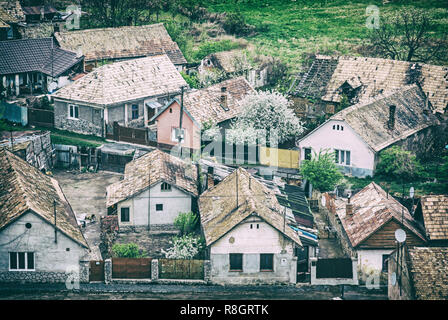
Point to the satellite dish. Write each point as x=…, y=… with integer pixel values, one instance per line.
x=400, y=235
x=323, y=201
x=52, y=86
x=411, y=192
x=393, y=278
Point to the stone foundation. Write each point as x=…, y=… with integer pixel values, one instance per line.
x=78, y=126
x=33, y=276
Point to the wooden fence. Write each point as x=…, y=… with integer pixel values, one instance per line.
x=41, y=117
x=131, y=135
x=96, y=270
x=131, y=268
x=181, y=269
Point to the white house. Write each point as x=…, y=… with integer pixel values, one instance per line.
x=358, y=133
x=247, y=236
x=155, y=189
x=40, y=240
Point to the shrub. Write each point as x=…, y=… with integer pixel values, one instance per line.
x=396, y=163
x=321, y=171
x=127, y=250
x=191, y=79
x=185, y=247
x=186, y=222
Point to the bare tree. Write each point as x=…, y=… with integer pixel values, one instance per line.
x=409, y=35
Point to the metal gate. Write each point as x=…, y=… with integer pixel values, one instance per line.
x=131, y=268
x=334, y=268
x=181, y=269
x=96, y=270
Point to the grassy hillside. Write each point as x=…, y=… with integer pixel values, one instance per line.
x=292, y=29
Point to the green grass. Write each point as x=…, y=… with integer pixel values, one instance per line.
x=292, y=29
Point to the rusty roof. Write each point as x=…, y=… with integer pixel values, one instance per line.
x=149, y=169
x=328, y=74
x=435, y=216
x=122, y=42
x=429, y=272
x=220, y=211
x=23, y=189
x=14, y=9
x=369, y=119
x=372, y=209
x=124, y=81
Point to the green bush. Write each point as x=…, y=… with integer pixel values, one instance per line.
x=396, y=163
x=191, y=79
x=186, y=222
x=209, y=47
x=127, y=250
x=321, y=171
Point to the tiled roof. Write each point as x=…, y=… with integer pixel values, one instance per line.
x=429, y=272
x=374, y=75
x=372, y=209
x=435, y=216
x=220, y=212
x=29, y=55
x=369, y=119
x=226, y=59
x=6, y=18
x=149, y=169
x=205, y=104
x=33, y=10
x=14, y=9
x=122, y=42
x=123, y=81
x=24, y=188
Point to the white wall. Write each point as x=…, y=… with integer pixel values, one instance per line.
x=48, y=255
x=174, y=202
x=371, y=259
x=362, y=160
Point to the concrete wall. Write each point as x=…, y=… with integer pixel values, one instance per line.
x=362, y=162
x=51, y=259
x=89, y=122
x=251, y=243
x=371, y=260
x=174, y=202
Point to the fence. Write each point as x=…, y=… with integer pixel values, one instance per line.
x=96, y=270
x=334, y=271
x=131, y=135
x=131, y=268
x=41, y=117
x=282, y=158
x=14, y=113
x=181, y=269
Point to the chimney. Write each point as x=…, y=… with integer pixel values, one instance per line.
x=426, y=108
x=210, y=179
x=349, y=208
x=391, y=122
x=224, y=98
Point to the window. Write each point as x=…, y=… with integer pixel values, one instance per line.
x=385, y=263
x=73, y=111
x=165, y=187
x=159, y=207
x=236, y=261
x=21, y=261
x=124, y=214
x=342, y=157
x=266, y=262
x=134, y=111
x=307, y=153
x=175, y=134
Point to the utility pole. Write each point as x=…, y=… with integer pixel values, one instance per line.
x=179, y=136
x=55, y=229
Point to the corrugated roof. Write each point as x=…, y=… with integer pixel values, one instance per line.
x=220, y=211
x=122, y=42
x=370, y=119
x=125, y=81
x=23, y=188
x=375, y=75
x=149, y=169
x=372, y=209
x=429, y=272
x=435, y=216
x=30, y=55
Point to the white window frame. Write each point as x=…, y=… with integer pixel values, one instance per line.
x=75, y=106
x=129, y=221
x=165, y=187
x=26, y=261
x=344, y=162
x=173, y=135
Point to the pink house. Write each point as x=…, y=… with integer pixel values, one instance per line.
x=217, y=103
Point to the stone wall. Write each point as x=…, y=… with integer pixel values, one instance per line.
x=90, y=119
x=33, y=276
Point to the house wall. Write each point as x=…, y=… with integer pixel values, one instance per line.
x=174, y=202
x=252, y=242
x=89, y=122
x=51, y=259
x=371, y=260
x=362, y=157
x=169, y=120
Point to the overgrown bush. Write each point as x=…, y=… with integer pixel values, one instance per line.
x=127, y=250
x=396, y=163
x=321, y=171
x=186, y=222
x=185, y=247
x=191, y=79
x=235, y=23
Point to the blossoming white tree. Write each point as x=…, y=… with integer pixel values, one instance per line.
x=265, y=115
